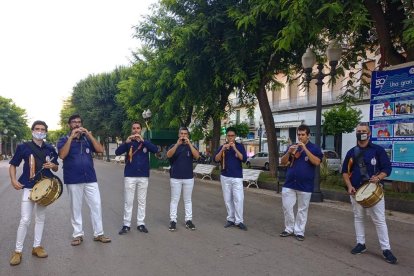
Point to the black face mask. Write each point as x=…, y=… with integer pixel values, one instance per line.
x=362, y=136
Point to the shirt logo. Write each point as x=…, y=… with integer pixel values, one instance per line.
x=144, y=150
x=306, y=158
x=87, y=150
x=373, y=161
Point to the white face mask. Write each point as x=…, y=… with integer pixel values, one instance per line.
x=39, y=135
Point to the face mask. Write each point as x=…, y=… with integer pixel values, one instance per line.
x=362, y=136
x=38, y=135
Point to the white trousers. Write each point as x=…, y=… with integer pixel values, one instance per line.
x=187, y=186
x=233, y=195
x=131, y=183
x=27, y=207
x=289, y=197
x=377, y=213
x=93, y=199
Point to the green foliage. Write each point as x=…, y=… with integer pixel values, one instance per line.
x=13, y=118
x=54, y=135
x=341, y=119
x=242, y=129
x=94, y=100
x=197, y=133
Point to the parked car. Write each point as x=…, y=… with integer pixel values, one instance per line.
x=332, y=159
x=259, y=160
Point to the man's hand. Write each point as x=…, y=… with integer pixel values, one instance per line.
x=17, y=185
x=351, y=190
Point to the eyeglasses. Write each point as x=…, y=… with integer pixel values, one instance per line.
x=76, y=122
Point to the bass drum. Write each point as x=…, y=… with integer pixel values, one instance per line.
x=46, y=191
x=369, y=194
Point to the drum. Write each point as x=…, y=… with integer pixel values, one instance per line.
x=369, y=194
x=46, y=191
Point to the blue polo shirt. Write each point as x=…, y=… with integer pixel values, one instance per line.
x=78, y=164
x=232, y=164
x=139, y=166
x=301, y=175
x=181, y=163
x=23, y=152
x=375, y=159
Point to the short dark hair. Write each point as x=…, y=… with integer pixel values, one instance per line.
x=304, y=127
x=74, y=116
x=365, y=124
x=231, y=129
x=137, y=123
x=184, y=128
x=38, y=122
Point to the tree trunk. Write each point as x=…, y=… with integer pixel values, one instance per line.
x=215, y=140
x=391, y=55
x=269, y=124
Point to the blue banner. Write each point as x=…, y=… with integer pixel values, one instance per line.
x=392, y=118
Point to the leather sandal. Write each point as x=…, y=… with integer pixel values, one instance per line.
x=102, y=239
x=77, y=241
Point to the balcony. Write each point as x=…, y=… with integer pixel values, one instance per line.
x=328, y=98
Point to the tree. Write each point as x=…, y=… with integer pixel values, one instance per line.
x=94, y=98
x=340, y=119
x=188, y=72
x=242, y=129
x=13, y=118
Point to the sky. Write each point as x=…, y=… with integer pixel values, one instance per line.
x=48, y=46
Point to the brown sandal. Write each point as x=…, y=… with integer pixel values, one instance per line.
x=76, y=241
x=102, y=239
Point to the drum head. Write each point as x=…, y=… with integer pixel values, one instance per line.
x=365, y=191
x=40, y=189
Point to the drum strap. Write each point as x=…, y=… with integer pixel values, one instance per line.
x=359, y=158
x=38, y=154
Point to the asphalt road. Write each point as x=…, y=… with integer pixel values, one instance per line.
x=211, y=249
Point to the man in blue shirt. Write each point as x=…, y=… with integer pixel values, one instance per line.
x=301, y=159
x=37, y=164
x=181, y=156
x=232, y=155
x=367, y=162
x=76, y=150
x=136, y=174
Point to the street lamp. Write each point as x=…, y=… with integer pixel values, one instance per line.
x=108, y=140
x=5, y=131
x=260, y=136
x=146, y=114
x=11, y=144
x=333, y=52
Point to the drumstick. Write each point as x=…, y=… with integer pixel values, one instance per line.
x=51, y=159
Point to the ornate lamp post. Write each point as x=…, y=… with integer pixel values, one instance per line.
x=260, y=136
x=107, y=141
x=5, y=131
x=11, y=144
x=147, y=118
x=333, y=52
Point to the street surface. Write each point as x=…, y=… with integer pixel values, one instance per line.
x=211, y=249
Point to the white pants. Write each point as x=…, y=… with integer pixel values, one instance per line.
x=289, y=197
x=187, y=186
x=93, y=199
x=233, y=195
x=131, y=183
x=377, y=213
x=26, y=212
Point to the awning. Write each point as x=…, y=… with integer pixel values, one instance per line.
x=288, y=124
